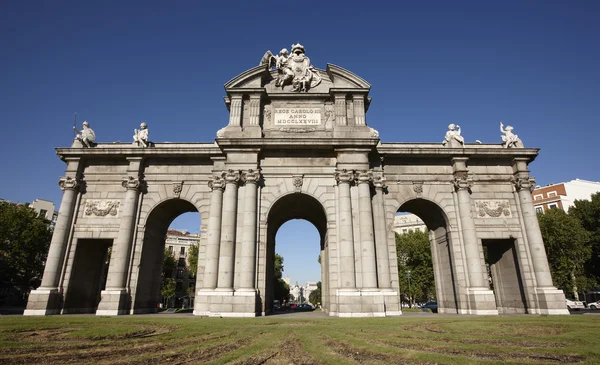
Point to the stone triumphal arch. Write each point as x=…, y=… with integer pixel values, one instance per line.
x=297, y=145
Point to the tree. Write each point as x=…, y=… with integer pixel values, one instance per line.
x=24, y=242
x=193, y=259
x=168, y=265
x=282, y=289
x=315, y=296
x=567, y=248
x=168, y=289
x=414, y=256
x=588, y=213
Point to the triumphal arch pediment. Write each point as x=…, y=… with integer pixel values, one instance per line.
x=297, y=145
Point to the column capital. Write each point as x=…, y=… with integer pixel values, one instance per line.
x=69, y=183
x=379, y=182
x=523, y=182
x=250, y=176
x=132, y=183
x=344, y=176
x=462, y=182
x=364, y=176
x=232, y=176
x=217, y=182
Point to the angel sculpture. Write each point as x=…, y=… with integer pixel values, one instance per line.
x=86, y=135
x=294, y=69
x=140, y=137
x=453, y=135
x=509, y=139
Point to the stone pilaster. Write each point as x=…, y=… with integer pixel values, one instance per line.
x=340, y=109
x=235, y=111
x=228, y=227
x=481, y=298
x=367, y=240
x=248, y=251
x=46, y=299
x=381, y=244
x=346, y=235
x=211, y=267
x=359, y=109
x=550, y=299
x=254, y=117
x=115, y=299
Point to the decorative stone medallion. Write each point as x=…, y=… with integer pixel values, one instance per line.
x=297, y=180
x=493, y=208
x=418, y=188
x=177, y=187
x=102, y=208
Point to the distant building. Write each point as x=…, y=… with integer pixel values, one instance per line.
x=404, y=223
x=563, y=195
x=45, y=208
x=178, y=243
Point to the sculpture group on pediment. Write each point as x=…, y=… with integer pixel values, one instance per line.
x=293, y=69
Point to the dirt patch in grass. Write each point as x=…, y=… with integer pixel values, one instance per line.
x=363, y=356
x=288, y=351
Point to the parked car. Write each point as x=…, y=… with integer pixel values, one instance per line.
x=594, y=305
x=574, y=305
x=433, y=306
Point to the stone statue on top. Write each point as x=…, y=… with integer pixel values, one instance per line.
x=509, y=139
x=140, y=137
x=453, y=137
x=295, y=69
x=86, y=136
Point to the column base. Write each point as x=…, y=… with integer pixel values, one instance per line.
x=226, y=303
x=43, y=302
x=113, y=303
x=366, y=303
x=551, y=301
x=482, y=302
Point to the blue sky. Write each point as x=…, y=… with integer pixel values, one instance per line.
x=531, y=64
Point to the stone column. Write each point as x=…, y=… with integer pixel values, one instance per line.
x=228, y=226
x=367, y=241
x=381, y=242
x=359, y=109
x=340, y=109
x=346, y=235
x=475, y=266
x=211, y=268
x=56, y=254
x=248, y=251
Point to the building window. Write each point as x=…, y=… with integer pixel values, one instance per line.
x=551, y=193
x=404, y=230
x=182, y=251
x=410, y=230
x=43, y=213
x=179, y=273
x=418, y=229
x=178, y=286
x=181, y=261
x=170, y=249
x=539, y=209
x=538, y=197
x=553, y=206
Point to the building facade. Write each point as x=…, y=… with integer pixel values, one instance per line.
x=405, y=223
x=45, y=208
x=178, y=244
x=563, y=195
x=297, y=146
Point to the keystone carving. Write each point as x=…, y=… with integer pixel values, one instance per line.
x=69, y=183
x=131, y=183
x=297, y=180
x=418, y=188
x=177, y=187
x=493, y=208
x=344, y=176
x=102, y=208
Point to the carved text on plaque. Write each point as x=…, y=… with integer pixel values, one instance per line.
x=297, y=116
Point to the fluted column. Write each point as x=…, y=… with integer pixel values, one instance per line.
x=381, y=244
x=477, y=277
x=228, y=226
x=211, y=267
x=119, y=260
x=524, y=185
x=340, y=109
x=56, y=254
x=248, y=251
x=367, y=240
x=346, y=235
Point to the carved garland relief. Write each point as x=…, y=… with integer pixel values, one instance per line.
x=102, y=208
x=493, y=208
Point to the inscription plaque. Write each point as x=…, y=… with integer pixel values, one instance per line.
x=297, y=116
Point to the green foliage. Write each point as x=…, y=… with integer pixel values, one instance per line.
x=24, y=242
x=168, y=289
x=193, y=259
x=282, y=289
x=319, y=259
x=414, y=255
x=588, y=213
x=315, y=296
x=168, y=265
x=567, y=248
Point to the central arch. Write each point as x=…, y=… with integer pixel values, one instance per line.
x=294, y=206
x=147, y=293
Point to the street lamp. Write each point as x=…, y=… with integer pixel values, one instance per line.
x=409, y=291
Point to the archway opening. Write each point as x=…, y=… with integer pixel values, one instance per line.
x=302, y=246
x=425, y=271
x=168, y=262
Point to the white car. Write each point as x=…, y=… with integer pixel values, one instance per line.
x=575, y=305
x=594, y=305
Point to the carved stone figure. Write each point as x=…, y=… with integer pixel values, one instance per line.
x=453, y=137
x=86, y=136
x=140, y=137
x=509, y=139
x=294, y=69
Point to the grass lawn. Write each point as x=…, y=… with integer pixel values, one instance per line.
x=276, y=340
